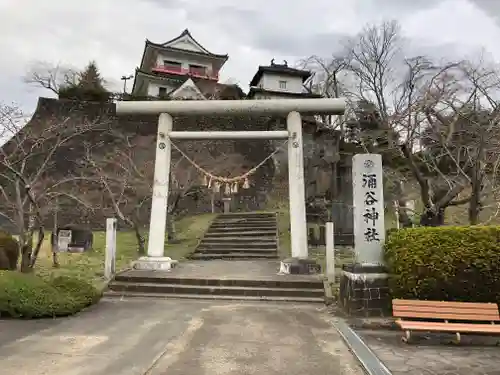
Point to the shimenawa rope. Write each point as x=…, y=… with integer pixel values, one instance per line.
x=228, y=180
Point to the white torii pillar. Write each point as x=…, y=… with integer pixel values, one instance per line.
x=293, y=108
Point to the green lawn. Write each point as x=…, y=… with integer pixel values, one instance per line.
x=90, y=265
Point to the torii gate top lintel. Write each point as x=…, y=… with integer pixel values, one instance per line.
x=234, y=107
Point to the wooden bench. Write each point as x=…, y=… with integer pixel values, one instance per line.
x=466, y=317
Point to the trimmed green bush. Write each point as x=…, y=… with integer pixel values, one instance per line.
x=445, y=263
x=30, y=296
x=84, y=293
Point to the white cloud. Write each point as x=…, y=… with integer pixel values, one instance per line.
x=113, y=32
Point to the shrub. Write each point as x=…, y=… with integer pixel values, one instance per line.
x=9, y=251
x=83, y=292
x=445, y=263
x=30, y=296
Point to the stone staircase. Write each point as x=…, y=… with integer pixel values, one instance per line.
x=243, y=253
x=251, y=235
x=177, y=284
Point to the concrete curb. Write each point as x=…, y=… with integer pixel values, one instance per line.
x=368, y=360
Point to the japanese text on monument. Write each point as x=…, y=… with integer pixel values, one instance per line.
x=371, y=215
x=368, y=208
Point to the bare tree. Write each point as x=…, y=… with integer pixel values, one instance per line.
x=51, y=77
x=327, y=79
x=124, y=171
x=393, y=98
x=29, y=180
x=460, y=138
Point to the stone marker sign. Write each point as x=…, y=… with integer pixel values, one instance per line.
x=72, y=239
x=368, y=208
x=63, y=240
x=364, y=289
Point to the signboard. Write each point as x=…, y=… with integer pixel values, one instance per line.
x=368, y=208
x=63, y=240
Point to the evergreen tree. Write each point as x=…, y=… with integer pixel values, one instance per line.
x=90, y=78
x=89, y=86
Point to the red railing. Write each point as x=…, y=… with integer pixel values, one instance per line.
x=195, y=72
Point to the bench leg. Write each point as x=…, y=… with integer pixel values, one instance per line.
x=457, y=338
x=406, y=337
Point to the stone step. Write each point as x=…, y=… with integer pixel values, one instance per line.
x=242, y=228
x=229, y=233
x=117, y=286
x=306, y=300
x=162, y=278
x=252, y=215
x=232, y=256
x=244, y=221
x=230, y=228
x=234, y=239
x=237, y=245
x=218, y=250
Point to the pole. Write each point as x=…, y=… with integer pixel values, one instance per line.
x=110, y=255
x=55, y=261
x=330, y=252
x=158, y=220
x=298, y=222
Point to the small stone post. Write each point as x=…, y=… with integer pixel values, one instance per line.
x=227, y=204
x=330, y=252
x=364, y=289
x=110, y=255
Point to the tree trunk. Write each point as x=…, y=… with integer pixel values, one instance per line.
x=475, y=197
x=171, y=235
x=141, y=242
x=432, y=218
x=474, y=210
x=403, y=217
x=26, y=258
x=39, y=243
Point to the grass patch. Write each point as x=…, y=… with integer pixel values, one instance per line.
x=89, y=266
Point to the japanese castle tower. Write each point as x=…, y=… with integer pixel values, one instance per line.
x=182, y=68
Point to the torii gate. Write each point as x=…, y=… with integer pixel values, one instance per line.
x=156, y=258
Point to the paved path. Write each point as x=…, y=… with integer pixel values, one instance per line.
x=434, y=355
x=178, y=337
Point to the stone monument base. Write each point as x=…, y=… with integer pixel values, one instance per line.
x=154, y=264
x=364, y=290
x=298, y=266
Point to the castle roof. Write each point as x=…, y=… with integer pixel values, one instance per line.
x=187, y=39
x=283, y=69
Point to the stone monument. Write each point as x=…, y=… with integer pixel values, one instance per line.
x=364, y=287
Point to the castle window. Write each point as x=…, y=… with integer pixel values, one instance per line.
x=162, y=91
x=282, y=85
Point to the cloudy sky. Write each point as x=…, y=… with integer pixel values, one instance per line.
x=113, y=32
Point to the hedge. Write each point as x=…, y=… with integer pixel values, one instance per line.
x=30, y=296
x=445, y=263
